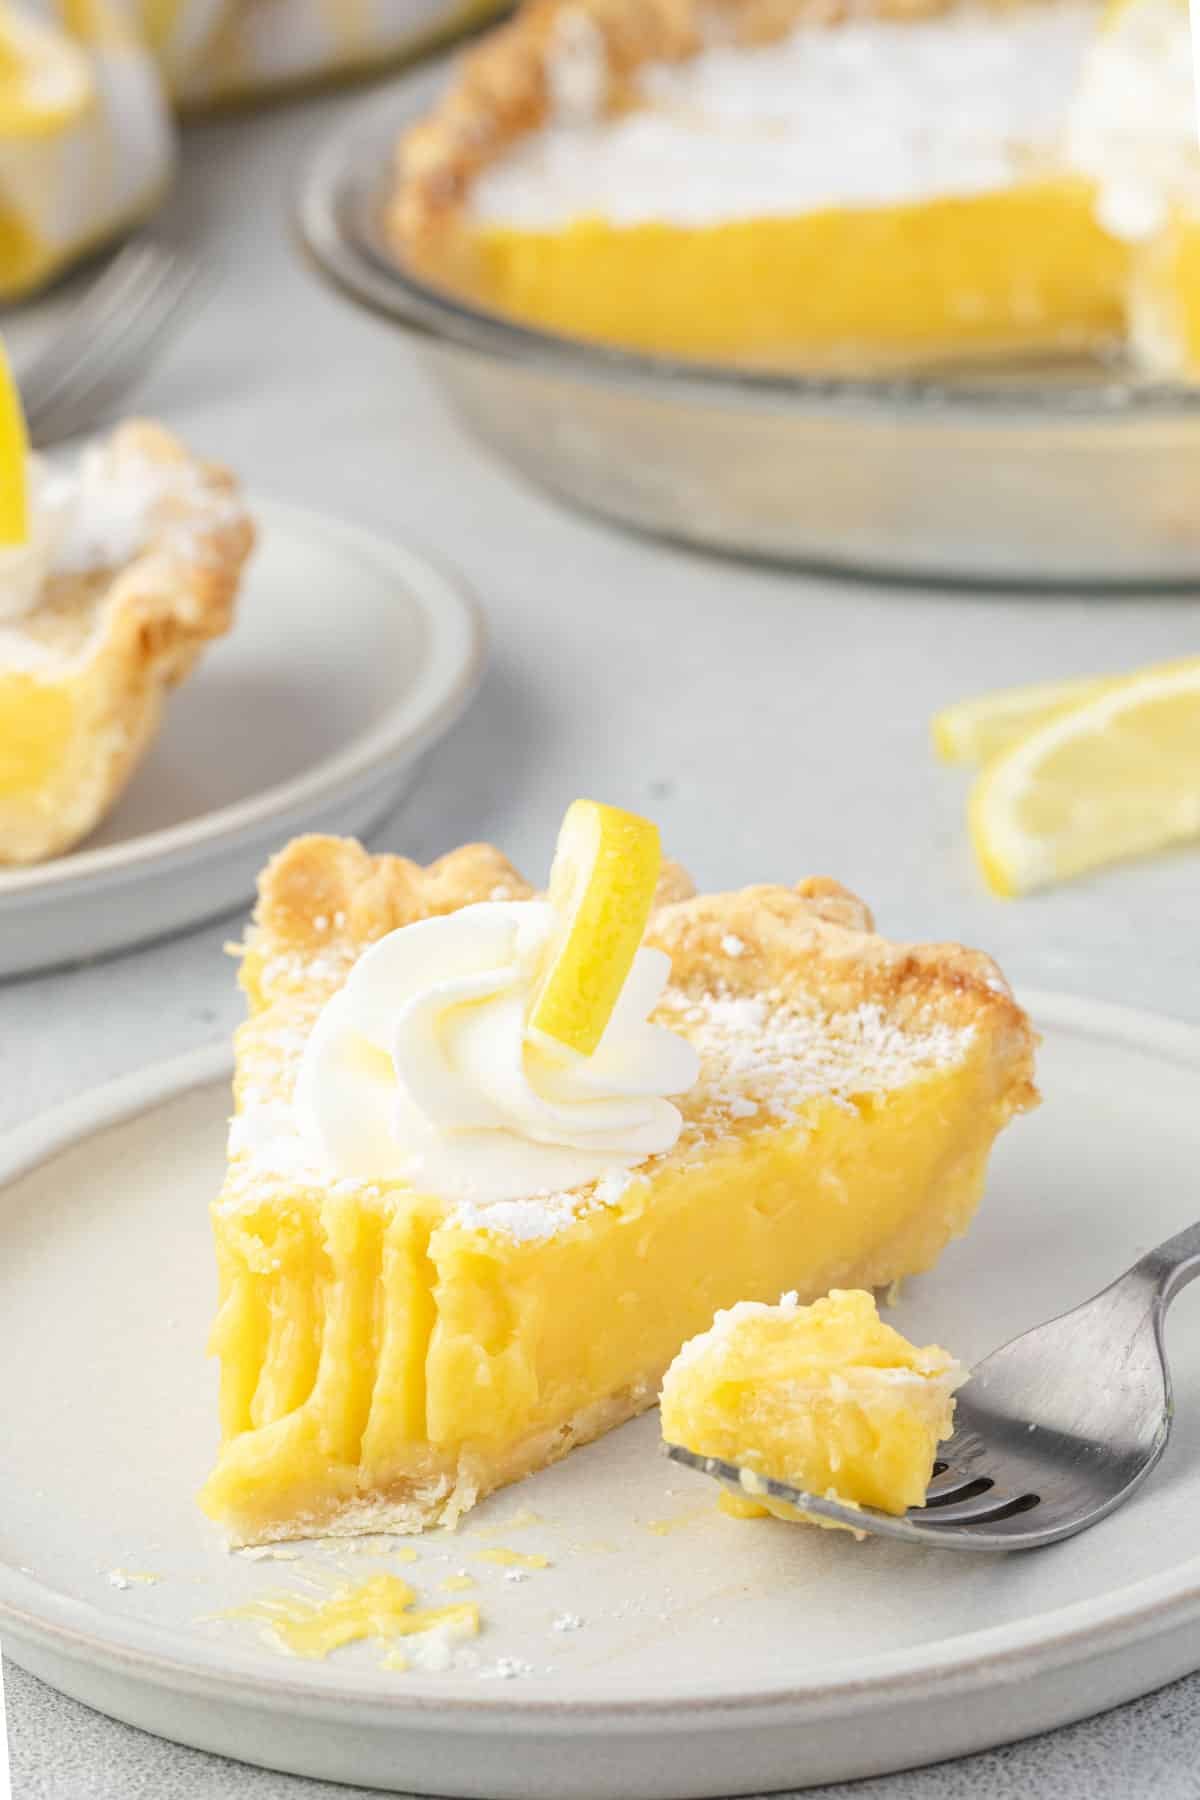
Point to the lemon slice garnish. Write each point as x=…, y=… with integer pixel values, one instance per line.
x=1114, y=777
x=602, y=884
x=45, y=80
x=14, y=460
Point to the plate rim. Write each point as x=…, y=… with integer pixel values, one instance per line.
x=1152, y=1607
x=458, y=654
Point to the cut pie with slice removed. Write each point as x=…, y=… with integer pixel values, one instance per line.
x=796, y=183
x=394, y=1347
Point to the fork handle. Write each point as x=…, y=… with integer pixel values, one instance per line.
x=1170, y=1266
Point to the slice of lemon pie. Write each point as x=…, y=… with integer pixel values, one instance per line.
x=496, y=1156
x=774, y=181
x=113, y=578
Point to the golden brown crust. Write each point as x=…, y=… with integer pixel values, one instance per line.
x=328, y=894
x=503, y=88
x=674, y=883
x=169, y=603
x=812, y=946
x=817, y=950
x=320, y=892
x=836, y=903
x=120, y=639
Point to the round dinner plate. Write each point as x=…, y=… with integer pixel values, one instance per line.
x=665, y=1650
x=349, y=657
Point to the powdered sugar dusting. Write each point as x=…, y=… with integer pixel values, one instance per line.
x=759, y=1057
x=90, y=522
x=107, y=509
x=870, y=112
x=760, y=1060
x=524, y=1221
x=264, y=1132
x=763, y=1061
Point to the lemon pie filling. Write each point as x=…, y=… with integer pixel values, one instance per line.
x=824, y=1398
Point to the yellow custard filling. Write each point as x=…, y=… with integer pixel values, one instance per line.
x=372, y=1347
x=1022, y=269
x=36, y=724
x=826, y=1398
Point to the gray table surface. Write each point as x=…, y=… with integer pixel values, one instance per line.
x=774, y=724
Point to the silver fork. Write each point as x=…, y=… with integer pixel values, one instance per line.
x=1053, y=1432
x=107, y=341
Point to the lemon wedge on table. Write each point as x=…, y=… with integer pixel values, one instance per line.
x=602, y=883
x=973, y=730
x=14, y=460
x=1114, y=777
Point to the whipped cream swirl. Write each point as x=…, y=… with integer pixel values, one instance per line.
x=420, y=1069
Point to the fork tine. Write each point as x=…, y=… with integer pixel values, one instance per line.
x=105, y=299
x=962, y=1450
x=961, y=1487
x=121, y=360
x=980, y=1510
x=127, y=352
x=113, y=324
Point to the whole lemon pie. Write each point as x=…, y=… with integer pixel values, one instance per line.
x=497, y=1155
x=114, y=577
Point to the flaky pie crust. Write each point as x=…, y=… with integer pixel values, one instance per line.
x=124, y=637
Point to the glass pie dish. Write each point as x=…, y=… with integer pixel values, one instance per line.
x=1042, y=473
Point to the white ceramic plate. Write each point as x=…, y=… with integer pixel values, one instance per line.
x=714, y=1656
x=350, y=656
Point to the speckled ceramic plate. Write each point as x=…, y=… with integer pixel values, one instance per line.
x=349, y=657
x=710, y=1656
